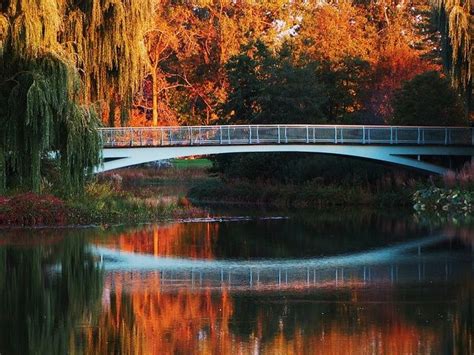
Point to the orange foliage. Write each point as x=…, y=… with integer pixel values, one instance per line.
x=177, y=239
x=333, y=32
x=396, y=63
x=141, y=319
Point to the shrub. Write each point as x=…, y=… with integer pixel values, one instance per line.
x=464, y=178
x=30, y=209
x=443, y=200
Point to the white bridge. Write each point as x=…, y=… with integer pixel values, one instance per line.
x=403, y=145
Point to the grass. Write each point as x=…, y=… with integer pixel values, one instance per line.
x=199, y=163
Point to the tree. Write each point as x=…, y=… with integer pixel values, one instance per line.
x=188, y=45
x=273, y=88
x=393, y=41
x=454, y=22
x=56, y=59
x=428, y=99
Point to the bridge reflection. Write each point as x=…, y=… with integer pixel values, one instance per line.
x=402, y=263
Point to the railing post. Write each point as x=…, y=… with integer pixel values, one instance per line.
x=335, y=135
x=190, y=135
x=446, y=136
x=279, y=136
x=418, y=138
x=314, y=134
x=258, y=136
x=162, y=136
x=131, y=137
x=220, y=134
x=391, y=135
x=171, y=137
x=250, y=134
x=363, y=134
x=368, y=135
x=307, y=134
x=228, y=134
x=200, y=136
x=141, y=136
x=286, y=134
x=342, y=135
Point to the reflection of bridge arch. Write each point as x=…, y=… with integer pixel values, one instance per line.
x=400, y=263
x=397, y=145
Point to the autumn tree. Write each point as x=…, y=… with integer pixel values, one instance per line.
x=392, y=38
x=188, y=46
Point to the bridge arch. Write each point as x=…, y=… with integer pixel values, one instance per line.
x=116, y=158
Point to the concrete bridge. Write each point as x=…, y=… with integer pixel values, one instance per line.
x=402, y=145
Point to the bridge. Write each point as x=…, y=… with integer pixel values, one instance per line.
x=402, y=145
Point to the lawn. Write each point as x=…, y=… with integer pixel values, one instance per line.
x=191, y=163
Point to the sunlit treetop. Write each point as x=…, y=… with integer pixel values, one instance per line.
x=102, y=38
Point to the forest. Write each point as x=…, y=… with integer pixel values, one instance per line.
x=68, y=67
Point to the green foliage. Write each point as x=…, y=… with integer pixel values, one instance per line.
x=273, y=88
x=428, y=99
x=307, y=195
x=48, y=292
x=299, y=168
x=444, y=200
x=267, y=87
x=40, y=119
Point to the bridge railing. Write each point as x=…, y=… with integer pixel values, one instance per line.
x=284, y=134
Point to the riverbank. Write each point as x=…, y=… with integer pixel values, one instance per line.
x=308, y=195
x=130, y=196
x=178, y=190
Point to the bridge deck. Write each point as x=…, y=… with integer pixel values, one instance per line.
x=285, y=134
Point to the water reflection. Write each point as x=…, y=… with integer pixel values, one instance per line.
x=39, y=308
x=324, y=288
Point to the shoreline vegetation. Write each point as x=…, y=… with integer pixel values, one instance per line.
x=185, y=188
x=131, y=196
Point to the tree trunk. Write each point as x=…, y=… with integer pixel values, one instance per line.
x=155, y=99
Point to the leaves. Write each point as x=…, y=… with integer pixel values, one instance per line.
x=428, y=99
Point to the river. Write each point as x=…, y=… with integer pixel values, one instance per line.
x=333, y=282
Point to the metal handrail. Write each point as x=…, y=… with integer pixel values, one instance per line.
x=285, y=134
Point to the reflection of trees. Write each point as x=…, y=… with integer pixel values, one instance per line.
x=138, y=316
x=463, y=332
x=146, y=321
x=40, y=306
x=191, y=240
x=311, y=234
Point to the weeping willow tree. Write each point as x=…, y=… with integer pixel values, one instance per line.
x=107, y=39
x=59, y=60
x=457, y=28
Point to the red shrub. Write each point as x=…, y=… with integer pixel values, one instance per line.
x=31, y=209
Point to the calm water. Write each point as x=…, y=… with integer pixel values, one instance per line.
x=314, y=283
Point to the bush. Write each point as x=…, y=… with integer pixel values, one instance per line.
x=30, y=209
x=443, y=200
